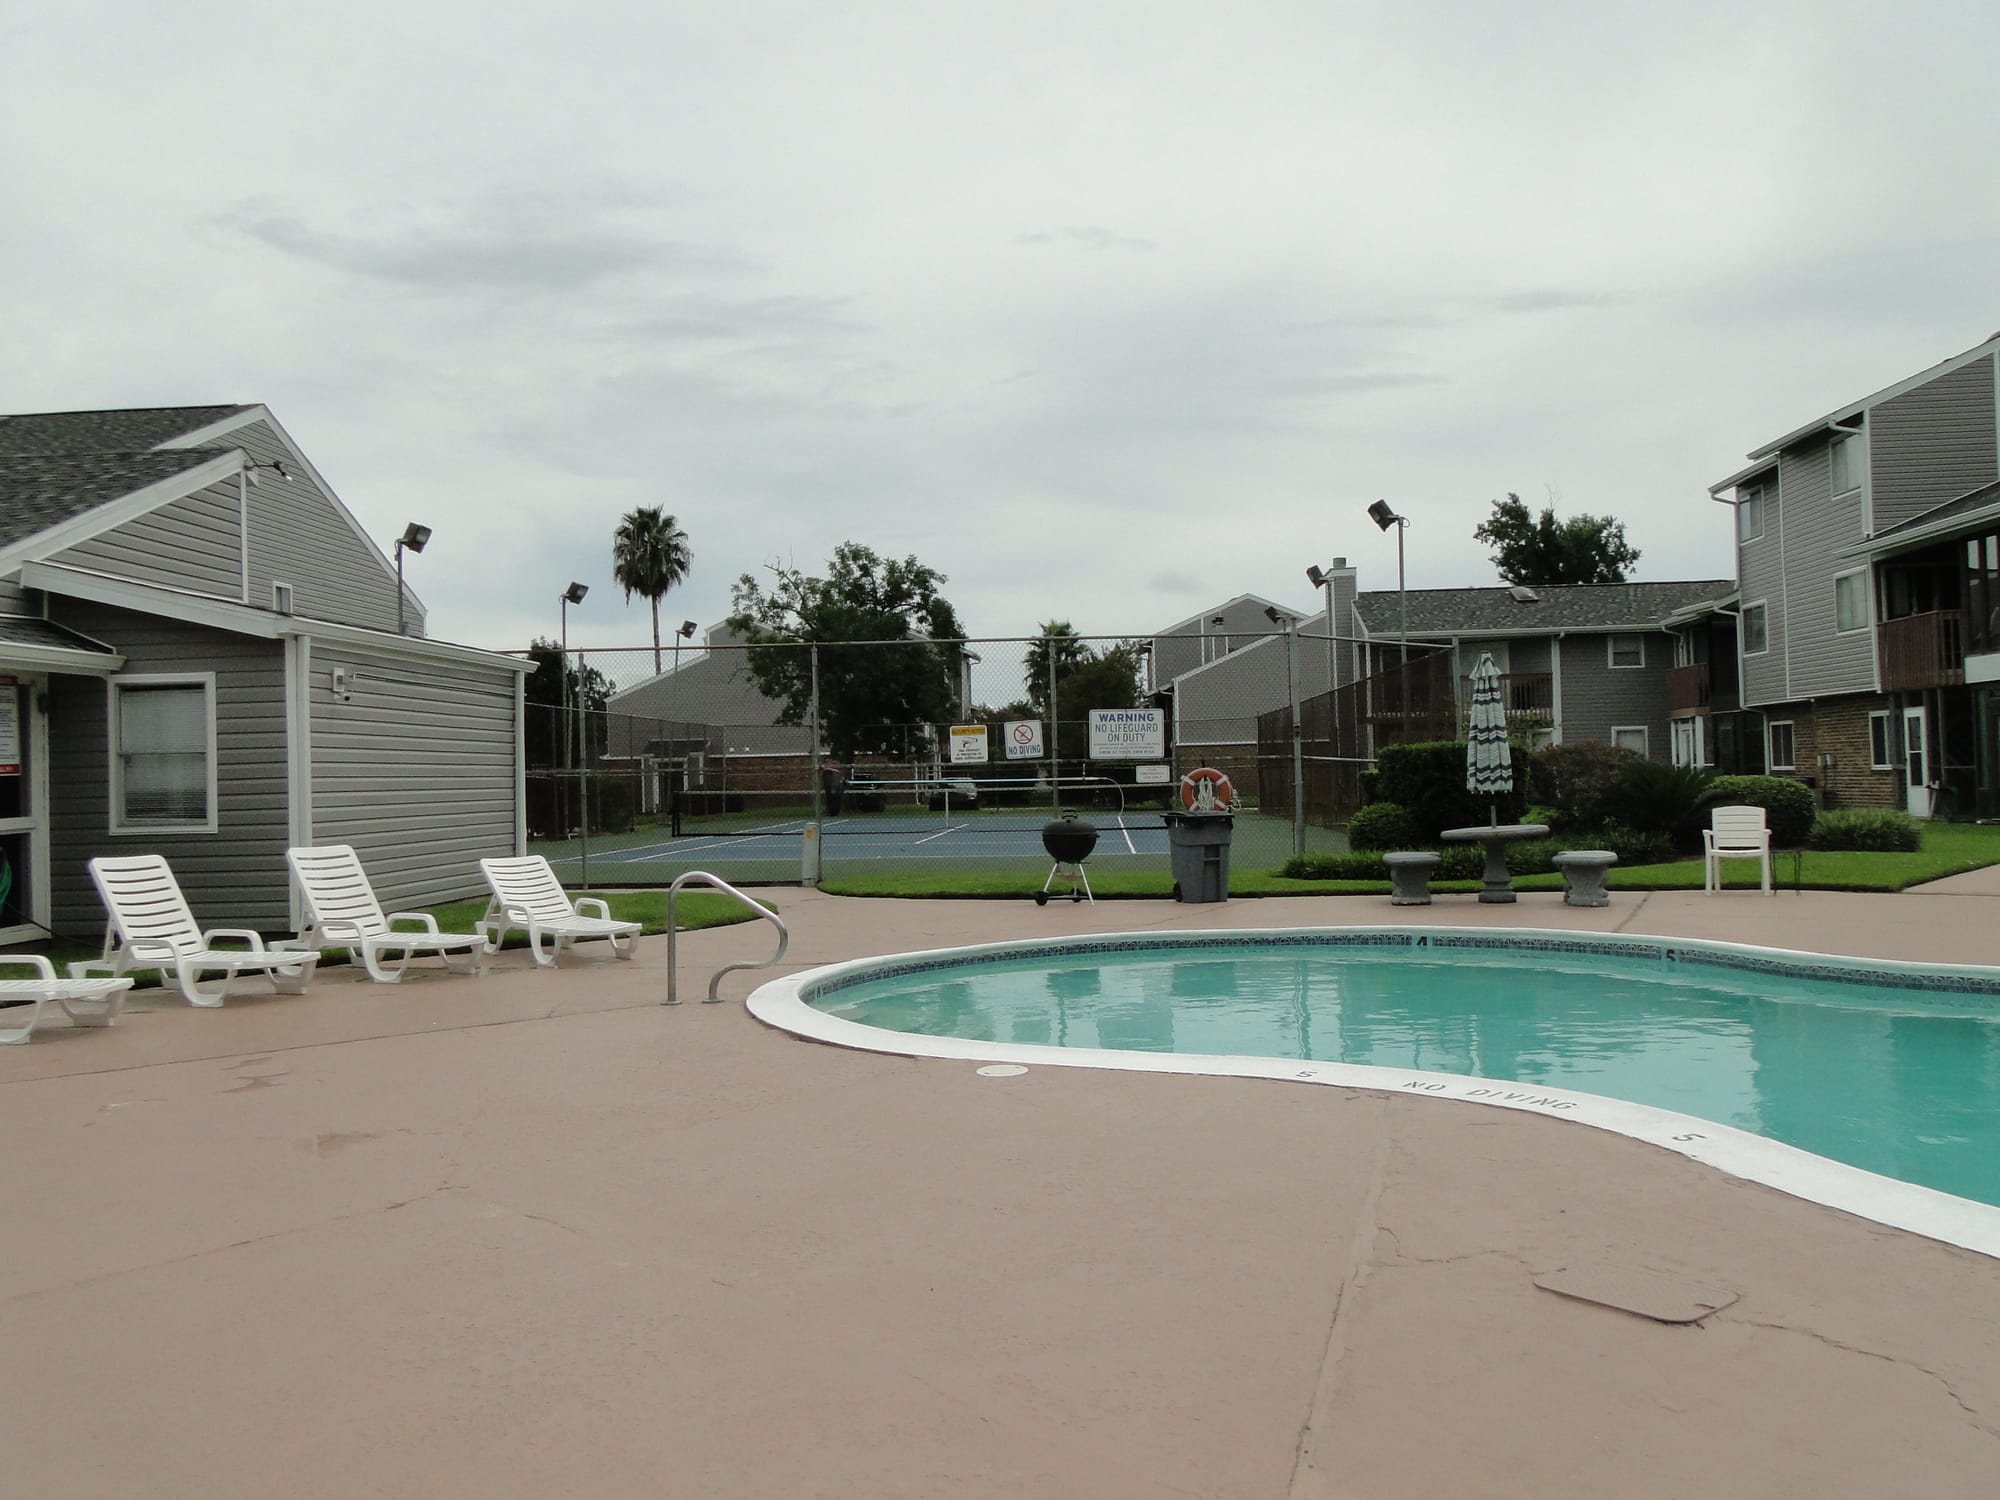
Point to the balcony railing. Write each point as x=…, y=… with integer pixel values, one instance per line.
x=1687, y=690
x=1523, y=693
x=1922, y=651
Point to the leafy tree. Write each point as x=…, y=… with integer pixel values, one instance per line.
x=866, y=692
x=1085, y=678
x=1544, y=550
x=589, y=693
x=649, y=555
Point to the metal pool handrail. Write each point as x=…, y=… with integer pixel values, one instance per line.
x=673, y=970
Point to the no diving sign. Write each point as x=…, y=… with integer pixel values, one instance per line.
x=1024, y=739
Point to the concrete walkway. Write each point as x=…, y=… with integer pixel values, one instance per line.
x=535, y=1235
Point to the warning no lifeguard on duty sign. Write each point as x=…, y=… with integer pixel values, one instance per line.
x=1128, y=733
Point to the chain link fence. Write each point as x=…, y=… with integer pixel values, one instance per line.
x=916, y=759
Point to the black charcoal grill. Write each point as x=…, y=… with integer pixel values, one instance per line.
x=1069, y=840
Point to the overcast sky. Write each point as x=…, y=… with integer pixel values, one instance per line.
x=1107, y=311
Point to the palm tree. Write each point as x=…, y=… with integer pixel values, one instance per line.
x=649, y=555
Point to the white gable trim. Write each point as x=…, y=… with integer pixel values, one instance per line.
x=1887, y=393
x=417, y=647
x=262, y=413
x=150, y=599
x=114, y=513
x=218, y=614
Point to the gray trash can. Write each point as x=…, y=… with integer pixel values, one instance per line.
x=1198, y=846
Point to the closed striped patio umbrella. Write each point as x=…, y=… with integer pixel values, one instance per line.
x=1489, y=764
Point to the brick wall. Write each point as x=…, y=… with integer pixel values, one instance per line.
x=1839, y=727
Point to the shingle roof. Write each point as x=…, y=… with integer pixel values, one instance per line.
x=40, y=490
x=1982, y=499
x=1586, y=606
x=23, y=630
x=106, y=431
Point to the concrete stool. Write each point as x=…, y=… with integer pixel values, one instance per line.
x=1583, y=876
x=1410, y=876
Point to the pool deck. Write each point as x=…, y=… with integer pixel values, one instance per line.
x=535, y=1235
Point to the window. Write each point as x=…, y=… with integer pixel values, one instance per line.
x=1850, y=601
x=1882, y=742
x=1628, y=650
x=1756, y=638
x=1631, y=737
x=1849, y=459
x=1778, y=740
x=163, y=754
x=1749, y=513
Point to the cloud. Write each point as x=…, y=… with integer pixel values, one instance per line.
x=510, y=243
x=1086, y=237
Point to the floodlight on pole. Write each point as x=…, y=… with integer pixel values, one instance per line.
x=413, y=539
x=1290, y=625
x=686, y=632
x=1384, y=516
x=571, y=595
x=1322, y=578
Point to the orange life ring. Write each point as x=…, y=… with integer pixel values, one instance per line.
x=1219, y=794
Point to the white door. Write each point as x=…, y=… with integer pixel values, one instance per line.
x=1917, y=763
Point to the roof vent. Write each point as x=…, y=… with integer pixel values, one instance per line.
x=1520, y=593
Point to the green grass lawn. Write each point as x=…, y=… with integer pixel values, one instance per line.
x=694, y=909
x=1949, y=849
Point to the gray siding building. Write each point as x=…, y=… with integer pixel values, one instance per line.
x=159, y=693
x=1866, y=540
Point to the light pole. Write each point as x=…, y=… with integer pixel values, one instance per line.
x=1384, y=517
x=571, y=595
x=1322, y=578
x=686, y=632
x=413, y=539
x=1291, y=628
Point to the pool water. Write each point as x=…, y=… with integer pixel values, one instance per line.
x=1900, y=1081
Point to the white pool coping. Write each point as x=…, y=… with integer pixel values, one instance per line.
x=1802, y=1174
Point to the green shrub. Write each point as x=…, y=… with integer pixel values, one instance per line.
x=1631, y=845
x=1383, y=825
x=1874, y=830
x=1581, y=780
x=1455, y=862
x=1653, y=797
x=1429, y=779
x=1788, y=805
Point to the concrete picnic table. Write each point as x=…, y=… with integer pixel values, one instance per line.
x=1496, y=836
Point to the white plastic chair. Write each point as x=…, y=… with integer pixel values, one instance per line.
x=152, y=928
x=87, y=1002
x=1735, y=833
x=527, y=895
x=342, y=912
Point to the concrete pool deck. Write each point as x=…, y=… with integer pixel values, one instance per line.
x=535, y=1235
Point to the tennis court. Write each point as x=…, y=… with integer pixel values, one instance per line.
x=772, y=848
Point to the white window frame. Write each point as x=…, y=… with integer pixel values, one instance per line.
x=1743, y=621
x=113, y=686
x=1750, y=513
x=1611, y=650
x=1838, y=580
x=1791, y=761
x=1855, y=444
x=1886, y=743
x=1645, y=734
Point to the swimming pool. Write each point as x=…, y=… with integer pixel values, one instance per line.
x=1870, y=1086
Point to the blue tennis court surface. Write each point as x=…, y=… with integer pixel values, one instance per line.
x=963, y=839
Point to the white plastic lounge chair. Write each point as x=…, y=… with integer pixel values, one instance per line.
x=1735, y=833
x=342, y=912
x=87, y=1002
x=527, y=895
x=152, y=928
